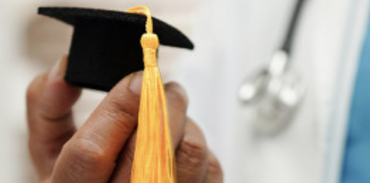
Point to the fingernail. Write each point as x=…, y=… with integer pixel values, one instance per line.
x=57, y=72
x=135, y=84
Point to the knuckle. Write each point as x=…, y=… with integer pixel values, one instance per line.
x=195, y=152
x=124, y=118
x=120, y=108
x=176, y=95
x=33, y=90
x=30, y=94
x=215, y=166
x=123, y=109
x=85, y=154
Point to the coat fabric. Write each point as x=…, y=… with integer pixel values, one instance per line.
x=234, y=40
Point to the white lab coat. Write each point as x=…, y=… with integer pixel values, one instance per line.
x=233, y=39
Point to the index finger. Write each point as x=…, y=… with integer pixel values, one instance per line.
x=91, y=154
x=49, y=114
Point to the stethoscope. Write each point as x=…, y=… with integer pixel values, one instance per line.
x=275, y=91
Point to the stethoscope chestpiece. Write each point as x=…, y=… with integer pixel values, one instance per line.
x=275, y=94
x=254, y=88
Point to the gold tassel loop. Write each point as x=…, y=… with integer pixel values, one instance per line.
x=154, y=160
x=145, y=11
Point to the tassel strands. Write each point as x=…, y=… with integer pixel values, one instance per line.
x=154, y=160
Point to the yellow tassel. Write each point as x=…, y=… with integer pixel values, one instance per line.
x=154, y=160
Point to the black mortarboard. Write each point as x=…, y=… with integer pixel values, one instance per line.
x=106, y=44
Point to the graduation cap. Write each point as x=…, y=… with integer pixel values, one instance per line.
x=106, y=44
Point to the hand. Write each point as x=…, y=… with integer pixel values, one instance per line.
x=102, y=149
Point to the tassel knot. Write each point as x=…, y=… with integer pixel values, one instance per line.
x=150, y=43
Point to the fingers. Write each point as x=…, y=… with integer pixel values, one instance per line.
x=214, y=171
x=192, y=155
x=91, y=153
x=195, y=163
x=177, y=106
x=49, y=102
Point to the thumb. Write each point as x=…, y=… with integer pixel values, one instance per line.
x=91, y=154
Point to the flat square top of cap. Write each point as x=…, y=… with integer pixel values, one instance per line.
x=167, y=34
